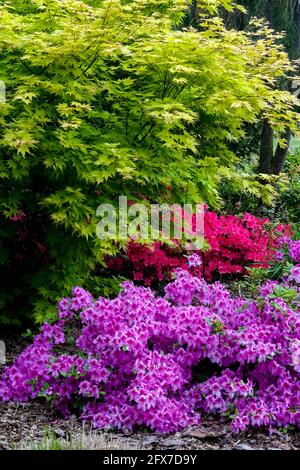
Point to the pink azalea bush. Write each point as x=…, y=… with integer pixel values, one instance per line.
x=237, y=243
x=288, y=249
x=286, y=259
x=135, y=360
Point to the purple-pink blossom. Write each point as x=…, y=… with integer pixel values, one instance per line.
x=136, y=358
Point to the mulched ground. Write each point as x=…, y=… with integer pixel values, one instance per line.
x=29, y=421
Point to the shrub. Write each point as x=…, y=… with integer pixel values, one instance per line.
x=286, y=204
x=287, y=254
x=147, y=264
x=288, y=201
x=235, y=244
x=111, y=99
x=238, y=243
x=143, y=360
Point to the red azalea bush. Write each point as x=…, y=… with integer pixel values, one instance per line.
x=236, y=243
x=148, y=264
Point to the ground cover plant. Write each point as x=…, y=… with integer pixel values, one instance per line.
x=141, y=360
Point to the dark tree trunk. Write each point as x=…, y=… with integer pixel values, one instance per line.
x=266, y=148
x=297, y=27
x=270, y=12
x=273, y=164
x=192, y=18
x=281, y=154
x=282, y=15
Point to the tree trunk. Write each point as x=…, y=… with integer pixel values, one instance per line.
x=281, y=154
x=273, y=164
x=193, y=14
x=297, y=27
x=270, y=12
x=266, y=148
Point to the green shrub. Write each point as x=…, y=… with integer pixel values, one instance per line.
x=288, y=202
x=115, y=99
x=244, y=194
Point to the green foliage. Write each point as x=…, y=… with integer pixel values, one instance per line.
x=280, y=199
x=113, y=98
x=249, y=191
x=280, y=13
x=85, y=439
x=248, y=287
x=288, y=200
x=285, y=293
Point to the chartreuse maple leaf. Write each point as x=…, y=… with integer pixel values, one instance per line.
x=109, y=98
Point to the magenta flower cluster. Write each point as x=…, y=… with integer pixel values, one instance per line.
x=288, y=248
x=138, y=359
